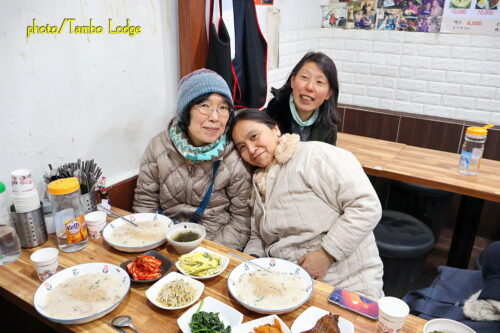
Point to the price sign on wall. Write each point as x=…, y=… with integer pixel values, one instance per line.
x=471, y=17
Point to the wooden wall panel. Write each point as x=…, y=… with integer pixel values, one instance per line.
x=430, y=134
x=193, y=43
x=371, y=124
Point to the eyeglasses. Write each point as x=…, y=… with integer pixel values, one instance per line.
x=206, y=109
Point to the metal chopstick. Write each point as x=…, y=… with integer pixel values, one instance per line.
x=251, y=262
x=110, y=212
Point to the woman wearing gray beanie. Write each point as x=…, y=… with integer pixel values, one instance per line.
x=191, y=171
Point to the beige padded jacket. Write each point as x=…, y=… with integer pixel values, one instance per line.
x=317, y=195
x=168, y=181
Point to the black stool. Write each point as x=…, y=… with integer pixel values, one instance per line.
x=430, y=205
x=403, y=242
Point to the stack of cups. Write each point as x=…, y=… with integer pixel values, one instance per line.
x=24, y=194
x=96, y=221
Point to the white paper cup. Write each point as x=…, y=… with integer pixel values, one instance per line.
x=392, y=314
x=26, y=204
x=21, y=182
x=96, y=221
x=46, y=261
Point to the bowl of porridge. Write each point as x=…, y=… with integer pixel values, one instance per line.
x=82, y=293
x=149, y=233
x=272, y=286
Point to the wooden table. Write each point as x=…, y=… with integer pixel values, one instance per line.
x=18, y=283
x=374, y=154
x=435, y=169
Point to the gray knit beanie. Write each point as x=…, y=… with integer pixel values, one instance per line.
x=198, y=83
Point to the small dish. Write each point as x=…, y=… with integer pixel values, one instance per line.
x=223, y=266
x=227, y=314
x=165, y=267
x=185, y=247
x=250, y=325
x=446, y=325
x=307, y=319
x=153, y=291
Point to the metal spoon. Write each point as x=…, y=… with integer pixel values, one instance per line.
x=124, y=321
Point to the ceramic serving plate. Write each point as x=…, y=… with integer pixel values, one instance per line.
x=307, y=319
x=155, y=289
x=110, y=227
x=223, y=266
x=227, y=314
x=279, y=266
x=48, y=285
x=250, y=325
x=165, y=267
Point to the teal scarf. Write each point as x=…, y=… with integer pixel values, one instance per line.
x=296, y=116
x=210, y=152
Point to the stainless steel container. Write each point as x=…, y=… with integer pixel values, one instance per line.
x=89, y=202
x=30, y=227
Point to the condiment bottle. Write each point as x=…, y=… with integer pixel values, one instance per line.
x=472, y=150
x=4, y=206
x=67, y=212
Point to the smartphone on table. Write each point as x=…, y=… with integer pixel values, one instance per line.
x=351, y=301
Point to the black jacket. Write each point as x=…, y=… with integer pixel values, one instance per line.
x=279, y=110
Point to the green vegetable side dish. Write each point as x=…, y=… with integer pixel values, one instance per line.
x=207, y=322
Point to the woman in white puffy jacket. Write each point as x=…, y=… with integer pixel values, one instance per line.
x=312, y=204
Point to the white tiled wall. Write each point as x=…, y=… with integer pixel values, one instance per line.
x=444, y=75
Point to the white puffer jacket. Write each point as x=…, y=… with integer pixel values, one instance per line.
x=317, y=195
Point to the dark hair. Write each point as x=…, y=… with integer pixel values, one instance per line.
x=328, y=115
x=185, y=118
x=252, y=114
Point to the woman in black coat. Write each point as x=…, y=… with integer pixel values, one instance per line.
x=307, y=103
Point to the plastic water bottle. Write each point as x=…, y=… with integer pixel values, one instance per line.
x=4, y=206
x=472, y=150
x=10, y=247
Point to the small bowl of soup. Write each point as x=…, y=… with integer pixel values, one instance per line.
x=185, y=236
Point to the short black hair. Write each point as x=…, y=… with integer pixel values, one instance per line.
x=252, y=114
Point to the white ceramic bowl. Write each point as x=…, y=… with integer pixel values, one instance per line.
x=250, y=325
x=227, y=314
x=153, y=291
x=110, y=227
x=446, y=325
x=224, y=263
x=62, y=276
x=274, y=264
x=185, y=247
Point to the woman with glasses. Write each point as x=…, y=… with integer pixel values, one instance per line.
x=191, y=171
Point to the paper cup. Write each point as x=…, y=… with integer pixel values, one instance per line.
x=26, y=203
x=96, y=221
x=46, y=261
x=21, y=182
x=392, y=314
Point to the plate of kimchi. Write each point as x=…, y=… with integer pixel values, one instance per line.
x=147, y=267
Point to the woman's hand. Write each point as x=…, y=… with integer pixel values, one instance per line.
x=316, y=263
